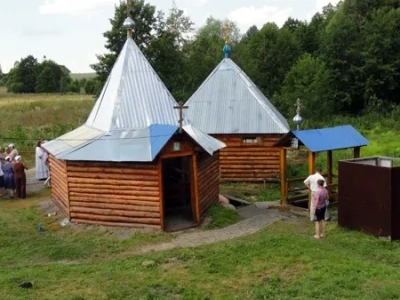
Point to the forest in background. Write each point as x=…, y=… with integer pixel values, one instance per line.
x=344, y=61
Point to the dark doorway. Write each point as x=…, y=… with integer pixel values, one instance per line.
x=177, y=190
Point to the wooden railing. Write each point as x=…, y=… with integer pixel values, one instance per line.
x=303, y=193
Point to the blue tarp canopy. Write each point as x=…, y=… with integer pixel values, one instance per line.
x=325, y=139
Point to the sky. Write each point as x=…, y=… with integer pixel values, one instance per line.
x=70, y=32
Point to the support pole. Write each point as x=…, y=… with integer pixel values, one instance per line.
x=283, y=175
x=356, y=152
x=329, y=170
x=311, y=170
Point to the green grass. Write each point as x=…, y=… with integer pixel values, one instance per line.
x=282, y=261
x=25, y=118
x=222, y=217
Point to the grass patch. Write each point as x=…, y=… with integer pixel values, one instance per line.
x=221, y=217
x=282, y=261
x=252, y=192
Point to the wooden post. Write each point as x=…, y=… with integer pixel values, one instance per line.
x=160, y=189
x=283, y=174
x=311, y=170
x=195, y=181
x=329, y=170
x=181, y=107
x=356, y=152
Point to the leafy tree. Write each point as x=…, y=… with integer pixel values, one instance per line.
x=308, y=80
x=46, y=82
x=74, y=86
x=382, y=62
x=205, y=52
x=145, y=21
x=292, y=24
x=22, y=78
x=165, y=51
x=56, y=77
x=273, y=51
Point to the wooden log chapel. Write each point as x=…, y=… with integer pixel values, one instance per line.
x=230, y=107
x=137, y=161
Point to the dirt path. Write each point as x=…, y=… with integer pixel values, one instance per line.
x=261, y=219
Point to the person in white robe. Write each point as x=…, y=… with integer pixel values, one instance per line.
x=42, y=171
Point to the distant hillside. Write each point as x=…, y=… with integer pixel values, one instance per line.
x=82, y=75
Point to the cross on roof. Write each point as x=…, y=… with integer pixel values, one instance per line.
x=128, y=8
x=227, y=29
x=181, y=107
x=298, y=106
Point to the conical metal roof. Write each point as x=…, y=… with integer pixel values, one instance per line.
x=228, y=102
x=133, y=118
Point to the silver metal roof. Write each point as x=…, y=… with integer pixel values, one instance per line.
x=133, y=96
x=228, y=102
x=133, y=118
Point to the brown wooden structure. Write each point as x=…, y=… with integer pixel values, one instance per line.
x=313, y=142
x=369, y=199
x=249, y=158
x=136, y=161
x=178, y=184
x=231, y=108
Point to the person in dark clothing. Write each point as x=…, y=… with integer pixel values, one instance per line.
x=9, y=181
x=20, y=178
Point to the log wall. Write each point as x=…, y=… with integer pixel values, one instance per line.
x=59, y=186
x=249, y=162
x=114, y=194
x=208, y=182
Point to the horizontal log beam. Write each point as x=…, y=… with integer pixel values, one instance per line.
x=114, y=212
x=93, y=217
x=117, y=206
x=105, y=198
x=115, y=224
x=121, y=181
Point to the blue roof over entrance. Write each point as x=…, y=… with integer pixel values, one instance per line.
x=325, y=139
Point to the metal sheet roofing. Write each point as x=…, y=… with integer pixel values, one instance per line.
x=228, y=102
x=72, y=140
x=335, y=138
x=134, y=96
x=132, y=120
x=144, y=144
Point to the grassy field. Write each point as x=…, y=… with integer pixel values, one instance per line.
x=282, y=261
x=25, y=118
x=83, y=75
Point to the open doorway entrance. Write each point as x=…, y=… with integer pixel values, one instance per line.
x=178, y=193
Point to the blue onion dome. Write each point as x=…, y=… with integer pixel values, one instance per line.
x=227, y=50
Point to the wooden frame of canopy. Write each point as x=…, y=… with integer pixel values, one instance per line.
x=286, y=183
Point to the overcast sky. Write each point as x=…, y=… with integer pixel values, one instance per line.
x=70, y=31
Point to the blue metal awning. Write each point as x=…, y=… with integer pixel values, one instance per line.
x=326, y=139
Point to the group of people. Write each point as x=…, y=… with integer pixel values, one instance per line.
x=12, y=170
x=319, y=202
x=12, y=173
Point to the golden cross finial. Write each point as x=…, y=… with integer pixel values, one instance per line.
x=227, y=31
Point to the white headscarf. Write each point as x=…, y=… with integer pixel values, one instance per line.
x=18, y=158
x=8, y=158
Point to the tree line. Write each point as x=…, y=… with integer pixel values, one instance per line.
x=345, y=60
x=31, y=76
